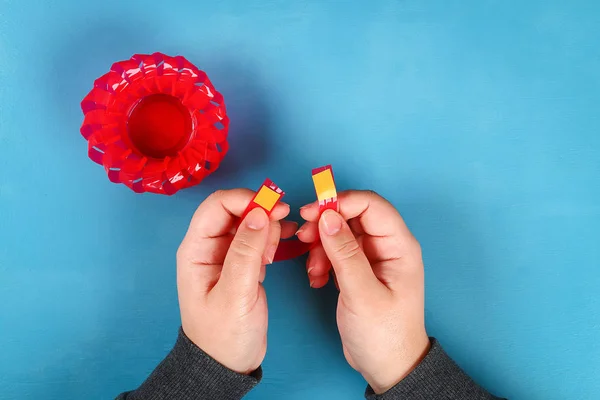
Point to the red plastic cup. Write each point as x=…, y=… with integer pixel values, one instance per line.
x=155, y=123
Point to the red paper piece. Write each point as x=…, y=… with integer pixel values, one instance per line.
x=155, y=123
x=267, y=196
x=324, y=182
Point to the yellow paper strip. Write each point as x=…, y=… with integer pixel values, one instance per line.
x=324, y=185
x=266, y=198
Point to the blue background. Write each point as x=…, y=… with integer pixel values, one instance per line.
x=479, y=120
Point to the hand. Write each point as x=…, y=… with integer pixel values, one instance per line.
x=220, y=270
x=379, y=270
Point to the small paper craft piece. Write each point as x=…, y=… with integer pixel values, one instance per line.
x=267, y=197
x=155, y=123
x=325, y=188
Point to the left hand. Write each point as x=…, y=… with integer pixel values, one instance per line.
x=220, y=270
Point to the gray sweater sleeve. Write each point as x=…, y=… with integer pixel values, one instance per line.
x=189, y=373
x=436, y=377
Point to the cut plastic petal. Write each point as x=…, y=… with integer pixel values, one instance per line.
x=96, y=153
x=128, y=70
x=97, y=98
x=110, y=82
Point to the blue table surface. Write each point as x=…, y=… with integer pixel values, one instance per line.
x=479, y=120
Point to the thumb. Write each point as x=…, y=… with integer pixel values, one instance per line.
x=241, y=268
x=352, y=268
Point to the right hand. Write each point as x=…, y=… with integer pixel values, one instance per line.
x=379, y=270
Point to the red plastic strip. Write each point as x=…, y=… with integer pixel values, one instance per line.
x=292, y=248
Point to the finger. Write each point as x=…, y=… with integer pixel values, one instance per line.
x=372, y=215
x=355, y=226
x=386, y=248
x=317, y=263
x=318, y=282
x=263, y=273
x=241, y=269
x=216, y=215
x=403, y=274
x=378, y=217
x=337, y=285
x=310, y=212
x=199, y=271
x=309, y=232
x=213, y=251
x=214, y=218
x=352, y=269
x=197, y=278
x=288, y=229
x=272, y=242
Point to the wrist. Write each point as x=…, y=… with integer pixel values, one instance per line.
x=395, y=373
x=235, y=360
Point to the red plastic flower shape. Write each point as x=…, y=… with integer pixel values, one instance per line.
x=155, y=123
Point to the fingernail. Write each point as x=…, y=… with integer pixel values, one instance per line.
x=310, y=282
x=299, y=231
x=256, y=219
x=271, y=253
x=332, y=222
x=305, y=207
x=310, y=269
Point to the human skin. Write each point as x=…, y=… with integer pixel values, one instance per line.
x=379, y=271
